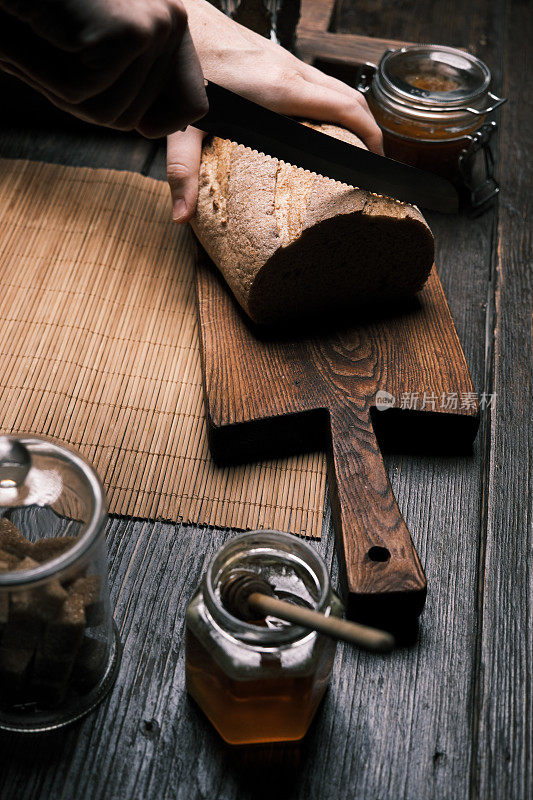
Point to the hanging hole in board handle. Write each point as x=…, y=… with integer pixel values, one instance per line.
x=378, y=554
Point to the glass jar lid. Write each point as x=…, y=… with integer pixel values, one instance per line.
x=48, y=491
x=435, y=78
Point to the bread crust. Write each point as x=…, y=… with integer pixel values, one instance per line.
x=271, y=228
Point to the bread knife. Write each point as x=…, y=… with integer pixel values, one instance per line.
x=231, y=116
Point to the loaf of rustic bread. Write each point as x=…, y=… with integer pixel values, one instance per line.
x=290, y=243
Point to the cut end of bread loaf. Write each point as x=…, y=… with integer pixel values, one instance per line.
x=375, y=261
x=291, y=244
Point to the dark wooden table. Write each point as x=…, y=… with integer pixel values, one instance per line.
x=449, y=717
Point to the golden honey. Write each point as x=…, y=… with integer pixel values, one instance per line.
x=252, y=711
x=260, y=682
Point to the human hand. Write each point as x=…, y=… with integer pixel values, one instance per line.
x=126, y=64
x=264, y=72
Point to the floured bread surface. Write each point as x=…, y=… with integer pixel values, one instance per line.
x=290, y=243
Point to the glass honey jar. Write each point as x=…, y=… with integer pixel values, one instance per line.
x=59, y=646
x=431, y=103
x=260, y=681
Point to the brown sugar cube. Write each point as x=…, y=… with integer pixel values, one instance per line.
x=50, y=599
x=46, y=668
x=89, y=589
x=14, y=668
x=7, y=563
x=46, y=549
x=24, y=619
x=50, y=678
x=44, y=602
x=26, y=563
x=4, y=609
x=12, y=541
x=17, y=610
x=23, y=629
x=14, y=638
x=49, y=694
x=16, y=654
x=63, y=635
x=90, y=664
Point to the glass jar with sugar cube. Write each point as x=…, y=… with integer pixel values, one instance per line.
x=59, y=647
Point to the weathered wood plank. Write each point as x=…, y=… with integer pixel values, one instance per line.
x=346, y=48
x=316, y=15
x=440, y=21
x=504, y=732
x=80, y=146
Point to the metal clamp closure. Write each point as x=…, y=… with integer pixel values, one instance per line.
x=482, y=188
x=364, y=77
x=496, y=103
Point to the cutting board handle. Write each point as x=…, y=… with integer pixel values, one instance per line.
x=381, y=575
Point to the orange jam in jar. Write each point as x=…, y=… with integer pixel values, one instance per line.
x=431, y=104
x=260, y=682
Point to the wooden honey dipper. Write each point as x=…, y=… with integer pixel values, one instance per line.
x=246, y=595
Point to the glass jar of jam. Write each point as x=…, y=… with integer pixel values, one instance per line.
x=263, y=681
x=431, y=104
x=59, y=646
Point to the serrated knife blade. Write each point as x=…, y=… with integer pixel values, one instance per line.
x=231, y=116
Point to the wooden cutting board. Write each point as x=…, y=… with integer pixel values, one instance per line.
x=269, y=395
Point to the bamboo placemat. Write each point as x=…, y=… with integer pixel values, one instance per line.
x=99, y=349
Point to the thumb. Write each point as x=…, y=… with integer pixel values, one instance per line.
x=184, y=150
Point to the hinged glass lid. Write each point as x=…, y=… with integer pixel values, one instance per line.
x=437, y=78
x=48, y=490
